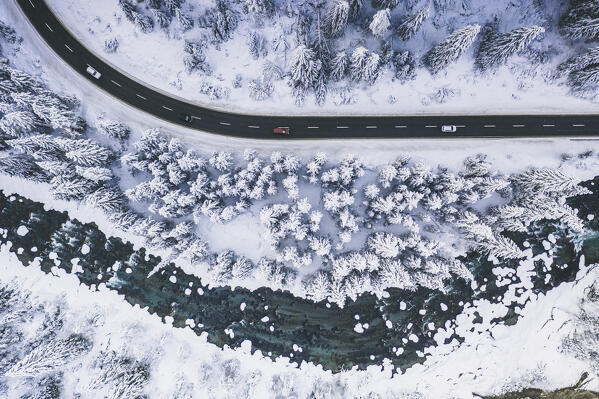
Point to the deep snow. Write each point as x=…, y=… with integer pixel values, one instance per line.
x=504, y=358
x=520, y=87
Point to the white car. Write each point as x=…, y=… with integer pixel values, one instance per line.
x=449, y=128
x=93, y=72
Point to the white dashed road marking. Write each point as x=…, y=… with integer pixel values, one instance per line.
x=32, y=5
x=517, y=125
x=196, y=117
x=50, y=29
x=548, y=125
x=165, y=107
x=342, y=127
x=254, y=127
x=578, y=125
x=460, y=125
x=400, y=126
x=431, y=126
x=225, y=123
x=371, y=127
x=70, y=49
x=140, y=96
x=313, y=127
x=116, y=83
x=489, y=126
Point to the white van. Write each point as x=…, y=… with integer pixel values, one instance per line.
x=93, y=72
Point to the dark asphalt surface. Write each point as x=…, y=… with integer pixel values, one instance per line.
x=302, y=127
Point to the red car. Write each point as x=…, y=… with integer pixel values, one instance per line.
x=281, y=130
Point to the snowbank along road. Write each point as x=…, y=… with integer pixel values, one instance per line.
x=180, y=112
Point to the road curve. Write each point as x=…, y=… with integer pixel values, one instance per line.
x=165, y=107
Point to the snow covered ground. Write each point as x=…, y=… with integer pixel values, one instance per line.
x=245, y=235
x=522, y=86
x=509, y=155
x=506, y=358
x=492, y=359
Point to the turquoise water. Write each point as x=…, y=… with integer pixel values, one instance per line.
x=324, y=331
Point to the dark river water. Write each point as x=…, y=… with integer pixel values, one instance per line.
x=275, y=321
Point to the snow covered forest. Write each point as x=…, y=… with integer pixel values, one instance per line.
x=58, y=340
x=136, y=264
x=340, y=56
x=334, y=229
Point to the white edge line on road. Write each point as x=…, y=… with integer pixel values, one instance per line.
x=116, y=83
x=225, y=123
x=165, y=107
x=313, y=127
x=489, y=126
x=70, y=49
x=578, y=125
x=50, y=29
x=140, y=96
x=32, y=5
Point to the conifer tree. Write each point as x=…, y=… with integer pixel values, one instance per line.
x=185, y=20
x=260, y=7
x=405, y=66
x=46, y=357
x=337, y=18
x=380, y=23
x=86, y=152
x=364, y=65
x=127, y=8
x=391, y=4
x=355, y=6
x=339, y=65
x=303, y=71
x=143, y=22
x=581, y=21
x=163, y=18
x=408, y=27
x=109, y=199
x=580, y=61
x=450, y=49
x=119, y=377
x=22, y=166
x=172, y=6
x=221, y=21
x=94, y=173
x=499, y=47
x=21, y=123
x=71, y=187
x=115, y=129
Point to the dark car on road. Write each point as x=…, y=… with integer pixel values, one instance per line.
x=185, y=117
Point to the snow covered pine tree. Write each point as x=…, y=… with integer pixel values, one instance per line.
x=450, y=49
x=499, y=47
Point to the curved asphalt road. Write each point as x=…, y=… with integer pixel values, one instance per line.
x=165, y=107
